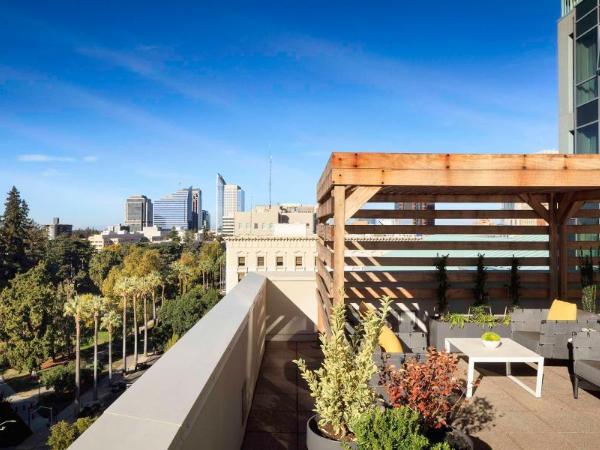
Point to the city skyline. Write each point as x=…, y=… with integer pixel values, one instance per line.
x=91, y=115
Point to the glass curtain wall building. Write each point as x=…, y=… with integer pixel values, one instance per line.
x=174, y=210
x=578, y=77
x=220, y=192
x=578, y=71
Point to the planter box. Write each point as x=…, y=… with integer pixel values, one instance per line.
x=438, y=331
x=314, y=440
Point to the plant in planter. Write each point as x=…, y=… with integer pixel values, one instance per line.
x=515, y=282
x=586, y=267
x=491, y=339
x=432, y=389
x=428, y=387
x=480, y=293
x=391, y=428
x=340, y=386
x=588, y=298
x=443, y=284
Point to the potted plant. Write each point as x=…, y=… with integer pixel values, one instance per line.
x=490, y=339
x=392, y=428
x=432, y=389
x=467, y=325
x=340, y=386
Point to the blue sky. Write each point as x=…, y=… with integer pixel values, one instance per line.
x=101, y=100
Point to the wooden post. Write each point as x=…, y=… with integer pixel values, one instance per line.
x=339, y=222
x=563, y=261
x=553, y=246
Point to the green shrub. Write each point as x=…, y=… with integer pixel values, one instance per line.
x=171, y=342
x=62, y=435
x=389, y=429
x=340, y=386
x=588, y=298
x=62, y=378
x=490, y=336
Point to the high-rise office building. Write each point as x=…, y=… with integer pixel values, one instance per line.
x=578, y=72
x=174, y=210
x=196, y=209
x=417, y=206
x=230, y=199
x=56, y=229
x=220, y=193
x=138, y=212
x=205, y=220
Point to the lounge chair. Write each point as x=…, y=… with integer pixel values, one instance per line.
x=586, y=358
x=548, y=338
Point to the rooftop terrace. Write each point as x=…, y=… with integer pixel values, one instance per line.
x=230, y=382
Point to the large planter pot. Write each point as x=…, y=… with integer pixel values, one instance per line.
x=439, y=331
x=316, y=441
x=457, y=439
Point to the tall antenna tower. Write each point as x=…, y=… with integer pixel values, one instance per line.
x=270, y=172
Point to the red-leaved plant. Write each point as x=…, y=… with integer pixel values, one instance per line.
x=430, y=388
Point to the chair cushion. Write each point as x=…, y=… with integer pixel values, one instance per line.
x=389, y=342
x=529, y=339
x=588, y=370
x=561, y=310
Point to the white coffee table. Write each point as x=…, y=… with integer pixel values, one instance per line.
x=508, y=352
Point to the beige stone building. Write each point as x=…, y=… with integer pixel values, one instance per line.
x=268, y=254
x=278, y=220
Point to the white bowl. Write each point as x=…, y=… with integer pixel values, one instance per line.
x=491, y=344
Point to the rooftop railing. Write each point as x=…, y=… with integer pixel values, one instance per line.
x=199, y=393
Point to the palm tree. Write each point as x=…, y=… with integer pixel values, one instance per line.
x=74, y=307
x=146, y=288
x=110, y=320
x=155, y=281
x=123, y=288
x=94, y=305
x=137, y=290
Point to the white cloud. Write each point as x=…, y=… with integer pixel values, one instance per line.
x=44, y=158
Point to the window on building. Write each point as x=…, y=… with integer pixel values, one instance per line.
x=260, y=261
x=298, y=261
x=587, y=139
x=256, y=226
x=586, y=56
x=241, y=261
x=279, y=261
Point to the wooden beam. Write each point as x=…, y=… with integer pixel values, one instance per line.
x=445, y=214
x=325, y=209
x=554, y=246
x=518, y=179
x=587, y=195
x=403, y=261
x=358, y=198
x=460, y=161
x=386, y=244
x=430, y=276
x=536, y=205
x=446, y=229
x=570, y=211
x=339, y=220
x=444, y=198
x=324, y=253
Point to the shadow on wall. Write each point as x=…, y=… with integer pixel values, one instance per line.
x=291, y=308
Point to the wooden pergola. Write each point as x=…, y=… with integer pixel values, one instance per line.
x=554, y=186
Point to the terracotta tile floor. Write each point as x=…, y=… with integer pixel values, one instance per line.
x=501, y=415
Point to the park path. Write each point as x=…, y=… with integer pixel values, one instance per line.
x=39, y=437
